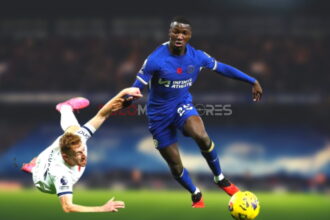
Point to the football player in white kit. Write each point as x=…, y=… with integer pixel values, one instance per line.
x=60, y=166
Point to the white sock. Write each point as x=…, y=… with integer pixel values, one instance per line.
x=219, y=178
x=196, y=191
x=67, y=117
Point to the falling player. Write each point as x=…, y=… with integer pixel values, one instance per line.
x=60, y=166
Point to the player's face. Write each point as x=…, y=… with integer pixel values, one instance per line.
x=179, y=34
x=78, y=156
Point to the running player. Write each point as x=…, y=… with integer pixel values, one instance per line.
x=170, y=71
x=60, y=166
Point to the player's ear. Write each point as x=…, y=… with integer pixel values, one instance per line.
x=65, y=157
x=68, y=159
x=169, y=32
x=190, y=35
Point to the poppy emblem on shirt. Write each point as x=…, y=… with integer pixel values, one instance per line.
x=64, y=181
x=179, y=70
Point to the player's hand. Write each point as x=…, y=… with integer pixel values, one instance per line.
x=131, y=93
x=256, y=92
x=117, y=104
x=113, y=206
x=124, y=97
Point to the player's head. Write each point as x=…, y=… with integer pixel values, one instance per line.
x=179, y=33
x=73, y=150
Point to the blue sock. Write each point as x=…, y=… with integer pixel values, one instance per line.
x=186, y=181
x=212, y=159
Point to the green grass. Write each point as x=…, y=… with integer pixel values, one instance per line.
x=159, y=205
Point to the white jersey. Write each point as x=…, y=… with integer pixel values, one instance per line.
x=51, y=174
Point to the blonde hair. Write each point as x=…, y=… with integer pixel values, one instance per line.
x=67, y=141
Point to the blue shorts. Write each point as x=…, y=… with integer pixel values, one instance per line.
x=164, y=130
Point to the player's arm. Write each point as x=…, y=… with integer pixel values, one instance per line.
x=69, y=206
x=231, y=72
x=115, y=104
x=144, y=75
x=72, y=129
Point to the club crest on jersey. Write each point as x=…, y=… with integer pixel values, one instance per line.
x=190, y=69
x=64, y=180
x=179, y=70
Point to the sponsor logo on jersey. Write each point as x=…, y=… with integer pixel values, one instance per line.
x=166, y=83
x=83, y=133
x=64, y=187
x=177, y=84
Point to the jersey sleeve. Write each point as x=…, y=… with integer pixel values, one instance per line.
x=207, y=61
x=63, y=184
x=223, y=69
x=144, y=75
x=86, y=132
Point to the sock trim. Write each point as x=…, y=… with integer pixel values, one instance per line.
x=181, y=173
x=196, y=191
x=210, y=149
x=66, y=107
x=219, y=178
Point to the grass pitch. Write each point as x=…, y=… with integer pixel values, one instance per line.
x=160, y=205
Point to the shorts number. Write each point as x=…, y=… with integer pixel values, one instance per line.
x=181, y=110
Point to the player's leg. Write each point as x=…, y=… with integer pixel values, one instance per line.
x=28, y=167
x=172, y=156
x=66, y=109
x=165, y=137
x=194, y=127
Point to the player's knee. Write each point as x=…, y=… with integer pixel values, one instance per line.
x=202, y=139
x=176, y=170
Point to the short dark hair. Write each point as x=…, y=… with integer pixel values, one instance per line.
x=181, y=19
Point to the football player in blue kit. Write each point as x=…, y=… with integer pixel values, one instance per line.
x=170, y=71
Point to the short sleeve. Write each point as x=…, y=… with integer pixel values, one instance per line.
x=63, y=184
x=86, y=132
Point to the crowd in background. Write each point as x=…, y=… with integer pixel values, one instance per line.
x=282, y=64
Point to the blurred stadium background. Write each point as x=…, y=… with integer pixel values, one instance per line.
x=51, y=53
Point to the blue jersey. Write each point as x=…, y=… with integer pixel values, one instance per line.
x=171, y=76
